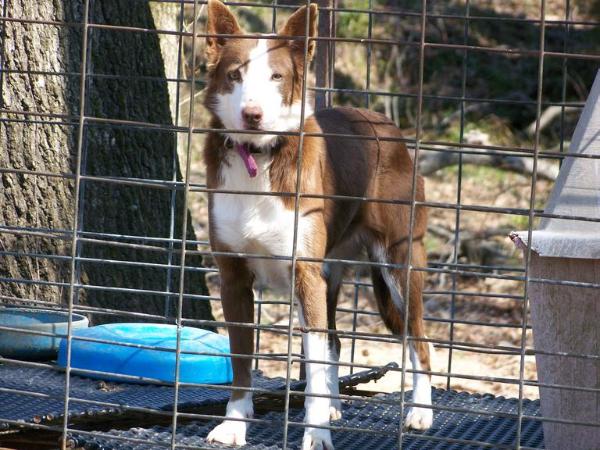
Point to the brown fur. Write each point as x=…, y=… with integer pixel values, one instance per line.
x=354, y=168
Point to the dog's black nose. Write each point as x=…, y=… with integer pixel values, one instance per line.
x=252, y=115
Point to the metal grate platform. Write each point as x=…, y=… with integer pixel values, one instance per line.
x=32, y=394
x=375, y=427
x=37, y=395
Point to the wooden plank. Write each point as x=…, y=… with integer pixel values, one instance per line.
x=566, y=319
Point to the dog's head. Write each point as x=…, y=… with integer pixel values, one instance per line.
x=255, y=83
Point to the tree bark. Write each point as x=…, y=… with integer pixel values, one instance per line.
x=126, y=81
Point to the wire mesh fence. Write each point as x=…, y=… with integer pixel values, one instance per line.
x=116, y=142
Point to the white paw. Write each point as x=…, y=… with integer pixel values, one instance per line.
x=317, y=439
x=335, y=410
x=419, y=419
x=230, y=432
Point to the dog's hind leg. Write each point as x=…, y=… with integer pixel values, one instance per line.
x=390, y=291
x=333, y=274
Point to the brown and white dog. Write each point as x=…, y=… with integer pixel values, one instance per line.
x=256, y=84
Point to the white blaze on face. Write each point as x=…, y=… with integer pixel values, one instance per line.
x=257, y=88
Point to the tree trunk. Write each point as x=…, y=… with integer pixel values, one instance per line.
x=114, y=90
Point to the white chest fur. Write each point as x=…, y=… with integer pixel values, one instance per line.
x=257, y=224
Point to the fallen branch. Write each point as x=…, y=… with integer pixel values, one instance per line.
x=487, y=233
x=549, y=114
x=431, y=162
x=477, y=247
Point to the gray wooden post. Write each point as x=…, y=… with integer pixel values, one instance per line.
x=565, y=317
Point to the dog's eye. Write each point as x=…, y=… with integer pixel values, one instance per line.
x=276, y=77
x=234, y=75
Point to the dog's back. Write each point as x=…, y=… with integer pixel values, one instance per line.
x=356, y=167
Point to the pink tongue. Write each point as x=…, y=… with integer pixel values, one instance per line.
x=248, y=159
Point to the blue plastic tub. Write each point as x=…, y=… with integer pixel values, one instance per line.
x=157, y=363
x=29, y=346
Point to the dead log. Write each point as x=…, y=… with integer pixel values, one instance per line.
x=430, y=162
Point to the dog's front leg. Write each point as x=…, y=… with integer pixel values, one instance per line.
x=238, y=306
x=311, y=290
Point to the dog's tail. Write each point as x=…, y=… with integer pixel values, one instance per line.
x=387, y=290
x=389, y=284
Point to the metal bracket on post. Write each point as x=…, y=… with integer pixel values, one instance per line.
x=323, y=59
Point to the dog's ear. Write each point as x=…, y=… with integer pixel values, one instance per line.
x=296, y=26
x=220, y=21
